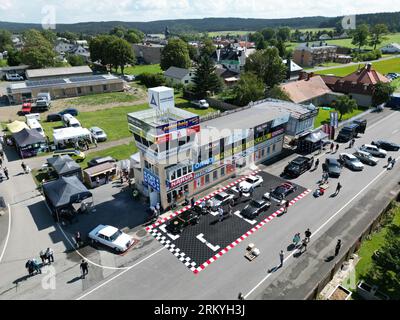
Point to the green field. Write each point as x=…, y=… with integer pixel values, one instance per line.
x=3, y=63
x=384, y=67
x=102, y=98
x=395, y=37
x=396, y=85
x=146, y=68
x=185, y=105
x=315, y=30
x=324, y=116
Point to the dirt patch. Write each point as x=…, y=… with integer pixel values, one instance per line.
x=339, y=294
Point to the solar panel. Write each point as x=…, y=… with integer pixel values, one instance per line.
x=36, y=83
x=86, y=78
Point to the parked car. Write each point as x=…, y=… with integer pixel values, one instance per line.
x=54, y=117
x=111, y=237
x=235, y=193
x=14, y=77
x=76, y=155
x=202, y=104
x=220, y=200
x=43, y=101
x=98, y=134
x=100, y=160
x=129, y=78
x=251, y=181
x=386, y=145
x=350, y=161
x=280, y=192
x=374, y=150
x=71, y=111
x=366, y=158
x=333, y=167
x=298, y=166
x=348, y=132
x=26, y=108
x=177, y=224
x=254, y=208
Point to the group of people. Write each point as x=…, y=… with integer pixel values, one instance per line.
x=47, y=257
x=334, y=148
x=304, y=242
x=391, y=163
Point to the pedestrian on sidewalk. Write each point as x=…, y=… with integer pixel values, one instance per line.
x=389, y=160
x=29, y=266
x=221, y=214
x=303, y=246
x=296, y=239
x=353, y=141
x=5, y=170
x=192, y=202
x=84, y=268
x=95, y=142
x=337, y=147
x=42, y=255
x=286, y=206
x=23, y=166
x=78, y=239
x=281, y=257
x=316, y=164
x=307, y=233
x=241, y=296
x=36, y=266
x=337, y=248
x=332, y=147
x=338, y=187
x=393, y=162
x=50, y=255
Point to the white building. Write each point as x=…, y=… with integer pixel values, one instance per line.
x=179, y=75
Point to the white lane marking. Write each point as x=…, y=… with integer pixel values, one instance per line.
x=319, y=229
x=163, y=229
x=118, y=275
x=395, y=131
x=201, y=238
x=8, y=233
x=252, y=222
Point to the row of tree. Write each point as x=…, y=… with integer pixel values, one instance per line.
x=365, y=35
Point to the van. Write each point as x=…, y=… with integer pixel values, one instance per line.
x=76, y=155
x=362, y=125
x=33, y=116
x=347, y=133
x=70, y=121
x=35, y=125
x=43, y=101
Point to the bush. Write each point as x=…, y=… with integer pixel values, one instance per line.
x=368, y=56
x=152, y=80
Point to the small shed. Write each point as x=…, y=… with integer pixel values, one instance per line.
x=99, y=175
x=29, y=143
x=64, y=166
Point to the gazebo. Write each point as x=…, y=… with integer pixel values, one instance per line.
x=29, y=143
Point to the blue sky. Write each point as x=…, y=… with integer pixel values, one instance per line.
x=71, y=11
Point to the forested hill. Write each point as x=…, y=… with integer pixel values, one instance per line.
x=213, y=24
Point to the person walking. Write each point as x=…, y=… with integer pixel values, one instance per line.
x=389, y=160
x=23, y=166
x=332, y=146
x=338, y=187
x=36, y=266
x=281, y=257
x=221, y=214
x=29, y=266
x=95, y=142
x=84, y=268
x=303, y=246
x=5, y=170
x=296, y=239
x=316, y=164
x=337, y=147
x=337, y=248
x=192, y=202
x=286, y=206
x=50, y=255
x=78, y=239
x=241, y=296
x=42, y=255
x=393, y=162
x=325, y=177
x=353, y=141
x=307, y=233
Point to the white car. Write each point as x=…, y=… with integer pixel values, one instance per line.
x=251, y=181
x=374, y=150
x=98, y=134
x=366, y=158
x=351, y=162
x=111, y=237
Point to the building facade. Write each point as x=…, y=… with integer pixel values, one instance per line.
x=311, y=56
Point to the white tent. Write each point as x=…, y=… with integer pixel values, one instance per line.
x=71, y=133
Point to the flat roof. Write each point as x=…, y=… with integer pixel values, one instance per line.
x=153, y=118
x=54, y=72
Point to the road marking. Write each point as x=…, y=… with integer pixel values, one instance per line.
x=8, y=233
x=118, y=275
x=395, y=131
x=252, y=222
x=163, y=229
x=201, y=238
x=319, y=229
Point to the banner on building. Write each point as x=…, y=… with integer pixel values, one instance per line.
x=334, y=119
x=152, y=180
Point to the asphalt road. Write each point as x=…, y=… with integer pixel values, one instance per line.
x=162, y=276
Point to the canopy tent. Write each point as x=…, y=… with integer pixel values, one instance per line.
x=16, y=126
x=65, y=191
x=312, y=141
x=65, y=166
x=316, y=136
x=27, y=137
x=71, y=133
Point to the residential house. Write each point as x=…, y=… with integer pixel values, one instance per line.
x=229, y=77
x=179, y=75
x=391, y=48
x=232, y=57
x=312, y=55
x=359, y=85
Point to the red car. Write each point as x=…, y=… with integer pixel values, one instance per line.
x=26, y=108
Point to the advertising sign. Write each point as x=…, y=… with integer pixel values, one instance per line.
x=203, y=164
x=182, y=124
x=151, y=180
x=334, y=119
x=177, y=182
x=161, y=98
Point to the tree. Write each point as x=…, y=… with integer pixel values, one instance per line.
x=151, y=80
x=193, y=52
x=258, y=39
x=100, y=49
x=50, y=35
x=122, y=53
x=268, y=34
x=75, y=60
x=205, y=79
x=267, y=65
x=71, y=36
x=118, y=31
x=175, y=54
x=382, y=93
x=281, y=46
x=13, y=56
x=208, y=48
x=278, y=93
x=345, y=105
x=249, y=88
x=377, y=34
x=283, y=34
x=360, y=36
x=5, y=40
x=38, y=51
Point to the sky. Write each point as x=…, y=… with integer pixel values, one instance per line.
x=72, y=11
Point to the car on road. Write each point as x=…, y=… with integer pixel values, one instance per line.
x=72, y=111
x=98, y=134
x=298, y=166
x=333, y=167
x=220, y=200
x=350, y=161
x=280, y=192
x=111, y=237
x=366, y=158
x=374, y=150
x=254, y=208
x=26, y=108
x=76, y=155
x=186, y=218
x=386, y=145
x=54, y=117
x=251, y=181
x=100, y=160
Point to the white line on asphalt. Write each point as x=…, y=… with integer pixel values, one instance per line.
x=118, y=275
x=8, y=233
x=252, y=222
x=319, y=229
x=201, y=238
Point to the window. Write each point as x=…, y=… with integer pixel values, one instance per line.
x=182, y=142
x=262, y=152
x=179, y=173
x=222, y=171
x=207, y=178
x=273, y=147
x=184, y=170
x=186, y=81
x=169, y=197
x=215, y=175
x=190, y=169
x=173, y=175
x=79, y=90
x=105, y=87
x=268, y=150
x=91, y=89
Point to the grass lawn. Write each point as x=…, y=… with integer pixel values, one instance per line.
x=324, y=116
x=139, y=69
x=3, y=63
x=396, y=85
x=384, y=67
x=186, y=105
x=102, y=98
x=121, y=152
x=394, y=37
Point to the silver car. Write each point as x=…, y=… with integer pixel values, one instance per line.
x=98, y=134
x=374, y=150
x=351, y=162
x=220, y=200
x=366, y=158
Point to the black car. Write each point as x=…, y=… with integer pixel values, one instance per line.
x=254, y=208
x=54, y=117
x=100, y=160
x=386, y=145
x=189, y=217
x=71, y=111
x=281, y=192
x=333, y=167
x=298, y=166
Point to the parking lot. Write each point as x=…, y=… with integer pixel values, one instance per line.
x=201, y=244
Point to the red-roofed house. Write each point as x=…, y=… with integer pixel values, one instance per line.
x=359, y=85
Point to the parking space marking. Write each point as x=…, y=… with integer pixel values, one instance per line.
x=201, y=238
x=163, y=229
x=252, y=222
